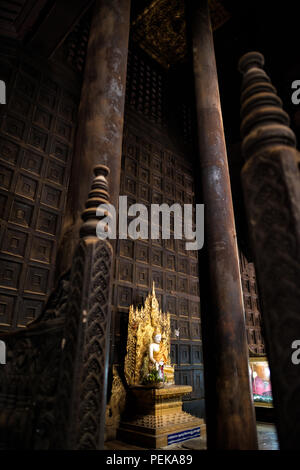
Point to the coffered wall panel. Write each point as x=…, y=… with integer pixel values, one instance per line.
x=149, y=170
x=36, y=140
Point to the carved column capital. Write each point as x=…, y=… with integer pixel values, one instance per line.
x=264, y=122
x=98, y=195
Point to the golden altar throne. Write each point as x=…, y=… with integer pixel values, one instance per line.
x=153, y=417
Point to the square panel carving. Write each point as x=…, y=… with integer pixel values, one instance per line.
x=186, y=378
x=32, y=162
x=182, y=284
x=6, y=175
x=189, y=184
x=169, y=173
x=196, y=354
x=14, y=242
x=131, y=149
x=157, y=257
x=170, y=283
x=174, y=326
x=124, y=296
x=63, y=129
x=157, y=181
x=10, y=272
x=14, y=127
x=156, y=164
x=51, y=196
x=179, y=179
x=179, y=195
x=156, y=197
x=184, y=329
x=46, y=98
x=144, y=192
x=170, y=243
x=41, y=249
x=140, y=297
x=142, y=252
x=194, y=269
x=171, y=304
x=126, y=248
x=47, y=222
x=21, y=213
x=26, y=186
x=20, y=105
x=182, y=265
x=38, y=139
x=55, y=172
x=183, y=307
x=60, y=150
x=181, y=246
x=43, y=118
x=194, y=287
x=157, y=277
x=144, y=175
x=195, y=309
x=67, y=109
x=184, y=354
x=8, y=151
x=195, y=330
x=188, y=199
x=198, y=383
x=130, y=166
x=30, y=309
x=130, y=185
x=174, y=354
x=36, y=280
x=125, y=271
x=144, y=157
x=142, y=276
x=170, y=261
x=7, y=306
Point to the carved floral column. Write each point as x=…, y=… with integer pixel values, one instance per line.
x=82, y=387
x=271, y=184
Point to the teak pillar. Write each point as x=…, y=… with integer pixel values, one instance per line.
x=229, y=407
x=271, y=185
x=101, y=114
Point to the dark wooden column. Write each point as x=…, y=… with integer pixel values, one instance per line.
x=271, y=185
x=229, y=407
x=101, y=112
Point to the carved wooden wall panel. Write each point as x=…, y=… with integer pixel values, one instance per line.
x=152, y=173
x=252, y=307
x=36, y=138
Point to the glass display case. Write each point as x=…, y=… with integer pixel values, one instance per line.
x=260, y=381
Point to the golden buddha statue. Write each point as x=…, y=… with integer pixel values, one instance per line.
x=148, y=343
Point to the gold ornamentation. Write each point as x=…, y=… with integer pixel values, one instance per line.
x=115, y=407
x=161, y=29
x=142, y=325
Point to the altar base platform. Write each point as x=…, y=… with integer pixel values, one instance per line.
x=154, y=417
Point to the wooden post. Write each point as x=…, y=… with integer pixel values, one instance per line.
x=271, y=186
x=101, y=115
x=229, y=407
x=82, y=385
